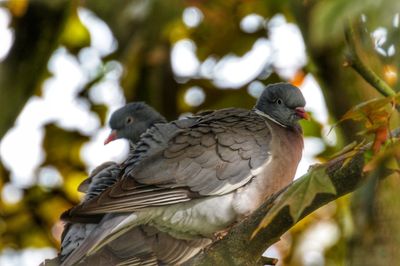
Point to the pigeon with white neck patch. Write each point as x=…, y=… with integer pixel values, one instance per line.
x=191, y=180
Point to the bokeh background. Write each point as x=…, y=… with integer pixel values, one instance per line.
x=65, y=66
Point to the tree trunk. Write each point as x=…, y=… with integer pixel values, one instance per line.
x=36, y=34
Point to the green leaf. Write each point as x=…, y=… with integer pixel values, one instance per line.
x=300, y=195
x=375, y=113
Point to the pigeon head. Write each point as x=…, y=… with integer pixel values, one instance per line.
x=131, y=120
x=282, y=103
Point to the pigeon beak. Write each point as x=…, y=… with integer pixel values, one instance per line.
x=302, y=113
x=111, y=137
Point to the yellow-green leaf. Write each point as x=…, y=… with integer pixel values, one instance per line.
x=300, y=195
x=387, y=158
x=372, y=108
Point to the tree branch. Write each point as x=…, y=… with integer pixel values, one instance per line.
x=237, y=248
x=356, y=63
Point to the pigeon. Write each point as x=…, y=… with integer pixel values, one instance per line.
x=189, y=180
x=128, y=122
x=131, y=121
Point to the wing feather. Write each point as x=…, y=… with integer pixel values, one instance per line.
x=210, y=155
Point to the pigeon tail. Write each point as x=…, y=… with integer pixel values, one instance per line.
x=108, y=230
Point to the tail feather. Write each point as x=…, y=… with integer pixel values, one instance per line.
x=109, y=229
x=125, y=240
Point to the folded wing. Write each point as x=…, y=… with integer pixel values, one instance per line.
x=176, y=162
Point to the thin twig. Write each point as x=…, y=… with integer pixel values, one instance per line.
x=355, y=62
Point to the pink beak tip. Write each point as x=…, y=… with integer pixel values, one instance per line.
x=302, y=113
x=111, y=137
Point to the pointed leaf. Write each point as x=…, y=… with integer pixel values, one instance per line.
x=362, y=111
x=300, y=195
x=387, y=157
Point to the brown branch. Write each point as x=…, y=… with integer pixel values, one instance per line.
x=346, y=173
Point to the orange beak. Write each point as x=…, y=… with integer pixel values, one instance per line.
x=111, y=137
x=302, y=113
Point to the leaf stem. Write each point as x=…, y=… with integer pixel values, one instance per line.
x=355, y=62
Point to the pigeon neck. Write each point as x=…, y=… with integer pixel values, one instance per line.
x=268, y=117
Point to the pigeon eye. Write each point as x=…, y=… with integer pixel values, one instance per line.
x=279, y=101
x=129, y=120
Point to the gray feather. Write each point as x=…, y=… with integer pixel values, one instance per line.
x=222, y=164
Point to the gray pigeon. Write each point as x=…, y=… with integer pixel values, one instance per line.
x=190, y=180
x=132, y=120
x=128, y=122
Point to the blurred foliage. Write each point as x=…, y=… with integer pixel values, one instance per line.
x=75, y=35
x=146, y=31
x=375, y=115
